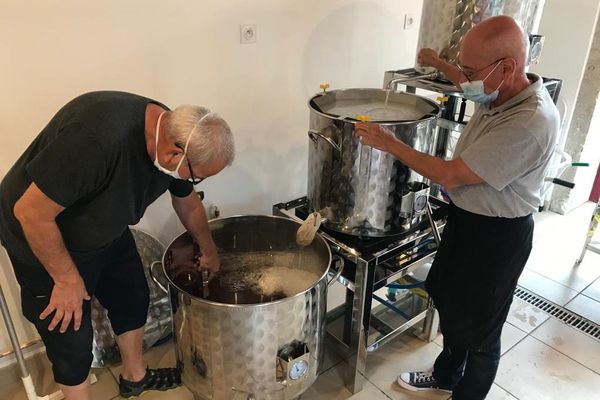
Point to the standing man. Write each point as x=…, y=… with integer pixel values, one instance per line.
x=494, y=183
x=65, y=208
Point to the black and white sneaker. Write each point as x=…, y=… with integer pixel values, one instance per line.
x=417, y=381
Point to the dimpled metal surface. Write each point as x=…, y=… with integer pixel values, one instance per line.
x=230, y=351
x=158, y=323
x=360, y=189
x=444, y=23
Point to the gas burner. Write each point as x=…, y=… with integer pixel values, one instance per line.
x=367, y=246
x=364, y=244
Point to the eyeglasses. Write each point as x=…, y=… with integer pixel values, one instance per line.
x=193, y=179
x=470, y=75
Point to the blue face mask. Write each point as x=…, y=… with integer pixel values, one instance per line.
x=475, y=90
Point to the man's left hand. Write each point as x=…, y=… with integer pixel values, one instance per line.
x=375, y=136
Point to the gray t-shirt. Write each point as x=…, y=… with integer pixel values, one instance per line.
x=510, y=148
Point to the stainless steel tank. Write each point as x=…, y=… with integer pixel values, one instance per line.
x=361, y=190
x=257, y=332
x=444, y=23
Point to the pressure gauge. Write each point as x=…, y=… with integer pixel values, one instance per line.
x=298, y=369
x=420, y=203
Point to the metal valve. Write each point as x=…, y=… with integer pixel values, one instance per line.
x=324, y=87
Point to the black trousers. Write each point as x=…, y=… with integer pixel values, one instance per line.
x=472, y=282
x=470, y=373
x=115, y=276
x=474, y=274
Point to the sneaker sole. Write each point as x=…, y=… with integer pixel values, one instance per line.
x=407, y=386
x=147, y=391
x=135, y=396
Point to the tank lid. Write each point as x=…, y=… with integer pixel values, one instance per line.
x=376, y=105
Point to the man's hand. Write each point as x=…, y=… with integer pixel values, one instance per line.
x=375, y=136
x=191, y=212
x=67, y=300
x=209, y=259
x=428, y=58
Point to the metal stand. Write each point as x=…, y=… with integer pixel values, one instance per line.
x=357, y=328
x=589, y=243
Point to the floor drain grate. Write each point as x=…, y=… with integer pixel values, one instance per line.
x=568, y=317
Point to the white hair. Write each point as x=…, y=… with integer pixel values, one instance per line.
x=211, y=138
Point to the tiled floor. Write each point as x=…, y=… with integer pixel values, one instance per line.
x=542, y=357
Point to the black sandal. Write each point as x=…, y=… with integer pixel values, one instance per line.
x=155, y=379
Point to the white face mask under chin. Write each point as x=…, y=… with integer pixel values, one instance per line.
x=175, y=172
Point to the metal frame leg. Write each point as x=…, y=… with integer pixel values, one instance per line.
x=360, y=329
x=589, y=245
x=431, y=323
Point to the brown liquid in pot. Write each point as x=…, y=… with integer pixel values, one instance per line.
x=244, y=278
x=223, y=293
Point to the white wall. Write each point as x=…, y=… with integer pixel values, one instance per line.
x=569, y=32
x=189, y=52
x=568, y=27
x=584, y=177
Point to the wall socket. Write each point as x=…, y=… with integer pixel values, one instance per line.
x=248, y=33
x=409, y=21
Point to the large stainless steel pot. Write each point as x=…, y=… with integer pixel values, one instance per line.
x=245, y=341
x=361, y=190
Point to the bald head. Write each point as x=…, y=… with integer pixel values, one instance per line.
x=493, y=39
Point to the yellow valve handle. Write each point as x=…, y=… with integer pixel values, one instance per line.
x=443, y=99
x=324, y=87
x=363, y=118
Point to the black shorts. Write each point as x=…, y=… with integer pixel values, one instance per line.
x=115, y=276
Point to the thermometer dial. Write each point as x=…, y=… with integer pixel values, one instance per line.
x=298, y=370
x=420, y=203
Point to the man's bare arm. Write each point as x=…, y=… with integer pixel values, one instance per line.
x=37, y=213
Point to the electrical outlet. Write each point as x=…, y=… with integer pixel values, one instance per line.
x=409, y=21
x=247, y=33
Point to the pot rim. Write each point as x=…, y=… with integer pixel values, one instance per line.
x=378, y=122
x=242, y=306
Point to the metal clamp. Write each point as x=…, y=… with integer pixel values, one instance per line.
x=154, y=278
x=338, y=271
x=316, y=135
